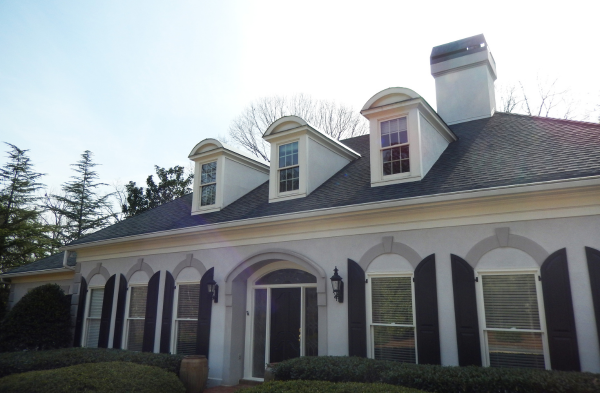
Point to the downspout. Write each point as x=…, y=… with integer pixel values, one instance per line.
x=65, y=260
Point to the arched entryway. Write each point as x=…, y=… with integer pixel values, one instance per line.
x=275, y=309
x=282, y=318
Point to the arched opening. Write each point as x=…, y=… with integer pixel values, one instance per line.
x=283, y=316
x=275, y=311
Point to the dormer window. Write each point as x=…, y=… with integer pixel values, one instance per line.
x=208, y=183
x=289, y=170
x=394, y=146
x=295, y=145
x=222, y=175
x=406, y=136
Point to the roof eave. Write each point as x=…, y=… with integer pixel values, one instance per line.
x=506, y=190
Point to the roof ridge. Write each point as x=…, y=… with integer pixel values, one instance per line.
x=546, y=118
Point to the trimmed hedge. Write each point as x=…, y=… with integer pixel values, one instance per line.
x=97, y=377
x=40, y=320
x=20, y=362
x=436, y=378
x=328, y=387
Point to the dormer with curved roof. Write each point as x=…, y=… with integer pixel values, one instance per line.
x=222, y=174
x=302, y=158
x=406, y=136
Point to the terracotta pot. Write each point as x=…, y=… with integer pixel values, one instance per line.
x=269, y=376
x=194, y=373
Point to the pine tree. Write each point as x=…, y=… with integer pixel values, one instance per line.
x=22, y=233
x=82, y=207
x=172, y=183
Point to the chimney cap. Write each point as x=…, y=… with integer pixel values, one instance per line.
x=464, y=47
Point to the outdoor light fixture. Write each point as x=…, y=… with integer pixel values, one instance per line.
x=213, y=289
x=338, y=286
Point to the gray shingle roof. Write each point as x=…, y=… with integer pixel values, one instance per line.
x=505, y=149
x=54, y=261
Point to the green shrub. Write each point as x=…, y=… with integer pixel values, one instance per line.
x=327, y=387
x=40, y=320
x=98, y=377
x=20, y=362
x=436, y=378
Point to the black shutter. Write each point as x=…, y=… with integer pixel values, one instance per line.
x=593, y=261
x=167, y=316
x=107, y=303
x=120, y=316
x=357, y=311
x=426, y=306
x=465, y=312
x=80, y=313
x=151, y=307
x=560, y=321
x=204, y=314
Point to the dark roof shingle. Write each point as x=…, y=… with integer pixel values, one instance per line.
x=54, y=261
x=502, y=150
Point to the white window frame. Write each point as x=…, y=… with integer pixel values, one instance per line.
x=202, y=185
x=175, y=308
x=485, y=353
x=127, y=317
x=88, y=303
x=400, y=175
x=370, y=324
x=248, y=361
x=297, y=190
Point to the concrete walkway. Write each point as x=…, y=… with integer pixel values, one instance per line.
x=226, y=389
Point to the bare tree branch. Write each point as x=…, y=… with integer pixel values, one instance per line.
x=334, y=119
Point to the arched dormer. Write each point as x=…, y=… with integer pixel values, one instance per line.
x=222, y=174
x=285, y=123
x=204, y=146
x=388, y=96
x=302, y=158
x=407, y=136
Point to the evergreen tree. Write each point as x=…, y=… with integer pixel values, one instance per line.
x=22, y=234
x=172, y=183
x=80, y=204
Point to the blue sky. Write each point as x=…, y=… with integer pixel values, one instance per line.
x=140, y=83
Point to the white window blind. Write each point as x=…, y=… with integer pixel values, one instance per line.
x=392, y=325
x=94, y=315
x=512, y=321
x=188, y=301
x=136, y=318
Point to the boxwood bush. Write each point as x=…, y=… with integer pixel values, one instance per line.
x=436, y=378
x=20, y=362
x=96, y=377
x=40, y=320
x=328, y=387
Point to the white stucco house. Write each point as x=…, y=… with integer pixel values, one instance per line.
x=464, y=236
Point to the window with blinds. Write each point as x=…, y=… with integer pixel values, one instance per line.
x=93, y=317
x=136, y=317
x=392, y=319
x=513, y=331
x=186, y=318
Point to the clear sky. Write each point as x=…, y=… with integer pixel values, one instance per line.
x=140, y=83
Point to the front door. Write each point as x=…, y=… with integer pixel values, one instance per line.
x=285, y=324
x=283, y=321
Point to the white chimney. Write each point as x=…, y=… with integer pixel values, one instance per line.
x=464, y=73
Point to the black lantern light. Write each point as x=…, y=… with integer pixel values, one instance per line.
x=338, y=286
x=213, y=289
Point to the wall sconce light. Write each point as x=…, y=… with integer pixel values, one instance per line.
x=213, y=289
x=338, y=286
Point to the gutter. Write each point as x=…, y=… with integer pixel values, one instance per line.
x=65, y=261
x=444, y=197
x=35, y=272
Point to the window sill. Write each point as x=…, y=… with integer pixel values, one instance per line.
x=206, y=209
x=395, y=179
x=285, y=196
